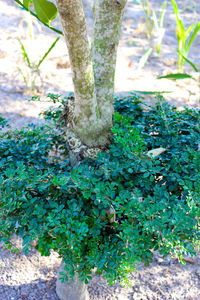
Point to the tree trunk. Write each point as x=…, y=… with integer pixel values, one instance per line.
x=71, y=290
x=86, y=112
x=107, y=25
x=93, y=71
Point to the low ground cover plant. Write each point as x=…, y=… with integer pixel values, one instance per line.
x=111, y=212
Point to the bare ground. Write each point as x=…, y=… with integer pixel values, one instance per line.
x=32, y=276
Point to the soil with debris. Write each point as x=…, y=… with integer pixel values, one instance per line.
x=32, y=276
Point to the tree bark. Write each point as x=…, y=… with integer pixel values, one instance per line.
x=71, y=290
x=107, y=25
x=86, y=112
x=93, y=75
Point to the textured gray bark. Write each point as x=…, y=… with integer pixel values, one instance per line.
x=107, y=25
x=71, y=290
x=93, y=73
x=93, y=77
x=86, y=112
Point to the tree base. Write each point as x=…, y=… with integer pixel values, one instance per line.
x=71, y=290
x=77, y=148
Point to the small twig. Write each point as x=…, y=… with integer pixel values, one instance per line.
x=188, y=260
x=51, y=235
x=127, y=241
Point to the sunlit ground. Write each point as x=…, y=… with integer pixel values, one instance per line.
x=55, y=73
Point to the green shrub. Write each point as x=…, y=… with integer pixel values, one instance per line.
x=112, y=212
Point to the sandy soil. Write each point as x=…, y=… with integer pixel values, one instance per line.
x=33, y=277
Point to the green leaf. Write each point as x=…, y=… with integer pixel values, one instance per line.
x=24, y=77
x=191, y=40
x=46, y=10
x=161, y=19
x=189, y=61
x=188, y=30
x=27, y=3
x=175, y=7
x=180, y=29
x=24, y=53
x=144, y=58
x=155, y=20
x=35, y=15
x=179, y=23
x=175, y=76
x=152, y=92
x=48, y=51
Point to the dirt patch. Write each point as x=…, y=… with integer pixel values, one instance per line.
x=32, y=276
x=56, y=74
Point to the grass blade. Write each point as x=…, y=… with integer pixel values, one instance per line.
x=24, y=77
x=152, y=92
x=162, y=15
x=179, y=23
x=180, y=29
x=191, y=40
x=175, y=76
x=189, y=62
x=188, y=30
x=175, y=7
x=144, y=58
x=24, y=53
x=155, y=20
x=45, y=55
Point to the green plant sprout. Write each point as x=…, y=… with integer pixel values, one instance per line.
x=153, y=24
x=178, y=76
x=143, y=60
x=154, y=27
x=185, y=36
x=158, y=26
x=28, y=21
x=32, y=71
x=146, y=6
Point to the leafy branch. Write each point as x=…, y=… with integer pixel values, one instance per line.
x=35, y=15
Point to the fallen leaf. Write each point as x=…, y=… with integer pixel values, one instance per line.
x=155, y=152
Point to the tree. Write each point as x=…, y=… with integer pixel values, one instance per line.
x=93, y=69
x=93, y=66
x=107, y=213
x=89, y=118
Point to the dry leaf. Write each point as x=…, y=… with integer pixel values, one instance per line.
x=155, y=152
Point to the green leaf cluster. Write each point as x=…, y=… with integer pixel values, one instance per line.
x=109, y=213
x=45, y=10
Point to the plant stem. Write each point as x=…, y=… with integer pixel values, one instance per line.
x=198, y=80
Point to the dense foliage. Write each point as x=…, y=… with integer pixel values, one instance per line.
x=112, y=212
